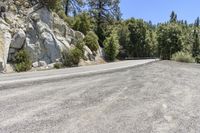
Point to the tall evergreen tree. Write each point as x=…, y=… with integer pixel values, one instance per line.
x=196, y=44
x=197, y=22
x=83, y=23
x=73, y=6
x=173, y=17
x=104, y=12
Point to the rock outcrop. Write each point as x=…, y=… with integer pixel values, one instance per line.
x=5, y=41
x=34, y=28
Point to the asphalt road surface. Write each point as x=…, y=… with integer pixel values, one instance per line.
x=160, y=97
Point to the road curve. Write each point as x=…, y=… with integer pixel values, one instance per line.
x=8, y=80
x=160, y=97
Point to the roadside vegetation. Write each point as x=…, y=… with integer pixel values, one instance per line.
x=72, y=57
x=22, y=61
x=183, y=57
x=104, y=28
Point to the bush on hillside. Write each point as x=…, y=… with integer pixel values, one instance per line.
x=91, y=40
x=22, y=61
x=51, y=4
x=183, y=57
x=71, y=57
x=83, y=23
x=58, y=65
x=79, y=44
x=62, y=15
x=197, y=59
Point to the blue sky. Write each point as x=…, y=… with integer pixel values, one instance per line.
x=159, y=10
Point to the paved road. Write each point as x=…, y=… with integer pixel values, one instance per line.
x=161, y=97
x=70, y=72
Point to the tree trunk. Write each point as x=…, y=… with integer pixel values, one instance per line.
x=67, y=7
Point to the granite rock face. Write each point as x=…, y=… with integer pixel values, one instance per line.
x=5, y=41
x=31, y=26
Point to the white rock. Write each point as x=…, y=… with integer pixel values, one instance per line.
x=79, y=35
x=5, y=40
x=45, y=16
x=35, y=64
x=35, y=17
x=51, y=47
x=88, y=53
x=42, y=64
x=60, y=26
x=18, y=39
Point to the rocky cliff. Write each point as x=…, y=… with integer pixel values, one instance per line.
x=34, y=28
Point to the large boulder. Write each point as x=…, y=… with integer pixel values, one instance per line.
x=59, y=26
x=79, y=35
x=18, y=39
x=45, y=16
x=41, y=42
x=5, y=40
x=50, y=47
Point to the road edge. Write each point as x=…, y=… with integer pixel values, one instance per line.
x=15, y=84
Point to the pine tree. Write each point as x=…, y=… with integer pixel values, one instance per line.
x=196, y=44
x=111, y=46
x=104, y=12
x=73, y=6
x=83, y=23
x=197, y=22
x=173, y=17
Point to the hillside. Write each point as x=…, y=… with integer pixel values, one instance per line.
x=42, y=33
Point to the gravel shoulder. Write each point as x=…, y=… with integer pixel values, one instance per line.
x=160, y=97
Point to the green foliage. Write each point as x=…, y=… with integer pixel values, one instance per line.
x=173, y=17
x=91, y=40
x=58, y=65
x=67, y=19
x=151, y=40
x=170, y=40
x=80, y=45
x=136, y=37
x=72, y=57
x=196, y=44
x=22, y=61
x=183, y=57
x=197, y=59
x=73, y=6
x=197, y=22
x=124, y=39
x=105, y=12
x=83, y=23
x=51, y=4
x=138, y=46
x=111, y=46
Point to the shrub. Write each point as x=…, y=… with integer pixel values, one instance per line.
x=111, y=46
x=52, y=4
x=22, y=61
x=72, y=57
x=57, y=65
x=80, y=45
x=91, y=40
x=183, y=57
x=197, y=58
x=62, y=15
x=83, y=23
